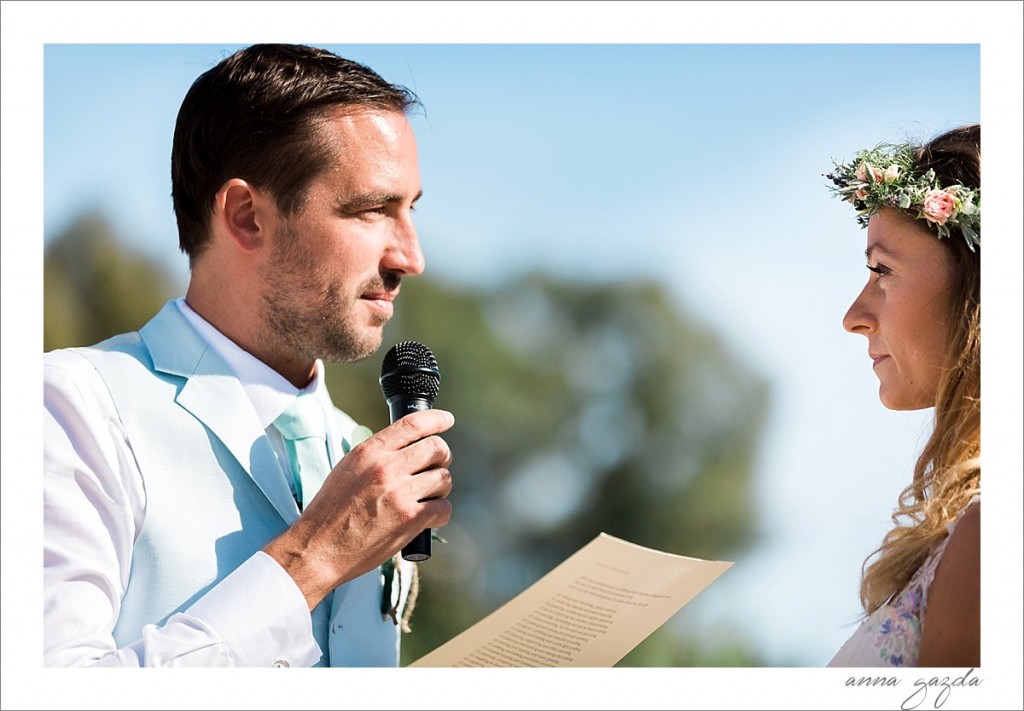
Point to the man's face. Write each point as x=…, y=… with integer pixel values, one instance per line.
x=335, y=265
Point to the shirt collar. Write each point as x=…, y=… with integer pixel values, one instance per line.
x=268, y=390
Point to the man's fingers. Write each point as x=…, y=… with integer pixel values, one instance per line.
x=438, y=512
x=414, y=427
x=430, y=452
x=431, y=484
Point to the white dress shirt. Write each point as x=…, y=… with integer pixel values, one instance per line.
x=94, y=507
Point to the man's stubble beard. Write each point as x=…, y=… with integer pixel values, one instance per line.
x=309, y=316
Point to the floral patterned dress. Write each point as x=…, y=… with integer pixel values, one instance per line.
x=891, y=635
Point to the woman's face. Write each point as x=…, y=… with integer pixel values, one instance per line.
x=903, y=309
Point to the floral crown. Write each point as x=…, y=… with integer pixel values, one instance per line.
x=886, y=176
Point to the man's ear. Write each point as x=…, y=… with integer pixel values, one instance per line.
x=240, y=209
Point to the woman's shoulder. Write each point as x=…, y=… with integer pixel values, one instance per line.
x=960, y=547
x=963, y=544
x=950, y=619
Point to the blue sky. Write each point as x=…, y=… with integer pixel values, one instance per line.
x=689, y=156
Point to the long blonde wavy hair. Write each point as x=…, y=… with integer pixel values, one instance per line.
x=948, y=471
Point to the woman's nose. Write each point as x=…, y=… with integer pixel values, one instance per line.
x=859, y=317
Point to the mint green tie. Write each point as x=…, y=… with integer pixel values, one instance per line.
x=304, y=430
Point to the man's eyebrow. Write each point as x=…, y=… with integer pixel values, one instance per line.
x=367, y=200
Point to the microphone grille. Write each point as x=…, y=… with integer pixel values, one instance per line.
x=410, y=368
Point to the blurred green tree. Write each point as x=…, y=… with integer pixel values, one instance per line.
x=95, y=287
x=581, y=407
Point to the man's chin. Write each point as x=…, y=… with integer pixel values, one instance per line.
x=352, y=348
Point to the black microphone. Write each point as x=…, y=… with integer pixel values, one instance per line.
x=410, y=380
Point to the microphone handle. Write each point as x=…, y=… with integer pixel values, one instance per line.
x=418, y=549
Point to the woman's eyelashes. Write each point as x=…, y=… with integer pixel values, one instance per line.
x=879, y=269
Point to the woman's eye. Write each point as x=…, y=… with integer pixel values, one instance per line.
x=880, y=269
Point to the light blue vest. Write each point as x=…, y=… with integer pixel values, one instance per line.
x=215, y=494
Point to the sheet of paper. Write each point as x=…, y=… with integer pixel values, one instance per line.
x=590, y=611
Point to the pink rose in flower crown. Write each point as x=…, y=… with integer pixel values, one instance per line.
x=938, y=205
x=877, y=176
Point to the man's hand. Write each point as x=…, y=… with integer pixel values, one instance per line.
x=379, y=497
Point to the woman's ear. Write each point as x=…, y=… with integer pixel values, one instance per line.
x=239, y=209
